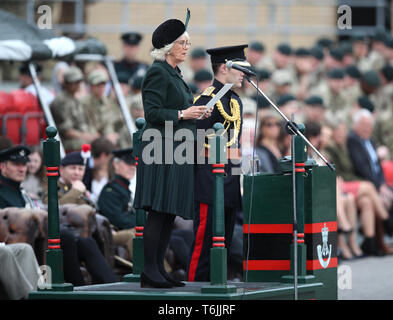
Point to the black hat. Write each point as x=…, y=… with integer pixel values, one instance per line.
x=123, y=76
x=387, y=72
x=24, y=69
x=234, y=53
x=257, y=46
x=15, y=154
x=73, y=158
x=285, y=49
x=203, y=75
x=314, y=101
x=365, y=103
x=125, y=155
x=336, y=74
x=132, y=38
x=285, y=98
x=167, y=32
x=353, y=71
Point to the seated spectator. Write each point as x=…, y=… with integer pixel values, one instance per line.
x=27, y=84
x=115, y=200
x=34, y=181
x=97, y=167
x=367, y=200
x=314, y=109
x=268, y=149
x=288, y=105
x=75, y=249
x=282, y=81
x=19, y=271
x=68, y=113
x=364, y=156
x=255, y=53
x=99, y=109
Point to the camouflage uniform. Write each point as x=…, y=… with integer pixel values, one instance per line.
x=383, y=130
x=68, y=114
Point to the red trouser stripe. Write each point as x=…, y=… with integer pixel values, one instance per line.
x=198, y=241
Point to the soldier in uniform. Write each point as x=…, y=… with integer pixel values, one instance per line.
x=70, y=187
x=314, y=110
x=99, y=109
x=229, y=111
x=13, y=171
x=115, y=200
x=129, y=63
x=68, y=113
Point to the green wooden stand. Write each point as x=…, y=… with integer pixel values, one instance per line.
x=137, y=244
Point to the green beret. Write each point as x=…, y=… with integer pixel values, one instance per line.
x=285, y=49
x=136, y=82
x=337, y=53
x=263, y=74
x=353, y=71
x=198, y=53
x=336, y=74
x=203, y=75
x=387, y=72
x=317, y=52
x=302, y=52
x=324, y=42
x=358, y=37
x=314, y=101
x=285, y=98
x=257, y=46
x=123, y=76
x=73, y=158
x=380, y=35
x=365, y=103
x=346, y=47
x=261, y=101
x=371, y=78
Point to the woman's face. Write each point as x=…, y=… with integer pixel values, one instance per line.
x=271, y=128
x=35, y=163
x=180, y=49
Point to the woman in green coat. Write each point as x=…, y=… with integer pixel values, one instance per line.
x=164, y=186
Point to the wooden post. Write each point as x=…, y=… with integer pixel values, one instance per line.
x=54, y=254
x=218, y=253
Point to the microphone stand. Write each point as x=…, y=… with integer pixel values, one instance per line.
x=293, y=130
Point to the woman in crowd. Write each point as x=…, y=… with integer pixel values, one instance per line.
x=268, y=147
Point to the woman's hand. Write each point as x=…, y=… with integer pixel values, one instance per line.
x=195, y=112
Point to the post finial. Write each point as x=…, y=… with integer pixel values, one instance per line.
x=51, y=132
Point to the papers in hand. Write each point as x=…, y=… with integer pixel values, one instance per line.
x=217, y=97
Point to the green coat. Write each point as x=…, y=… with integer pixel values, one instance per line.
x=166, y=188
x=114, y=203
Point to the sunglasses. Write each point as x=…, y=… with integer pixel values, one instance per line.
x=272, y=124
x=184, y=43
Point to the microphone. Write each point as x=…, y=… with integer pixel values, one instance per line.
x=231, y=65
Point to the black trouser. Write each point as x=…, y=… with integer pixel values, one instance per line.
x=77, y=249
x=199, y=265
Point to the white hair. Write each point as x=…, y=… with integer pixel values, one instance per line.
x=362, y=113
x=160, y=54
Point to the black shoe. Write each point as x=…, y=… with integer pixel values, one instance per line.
x=175, y=278
x=146, y=282
x=370, y=247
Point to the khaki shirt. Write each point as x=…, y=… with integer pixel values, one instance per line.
x=68, y=114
